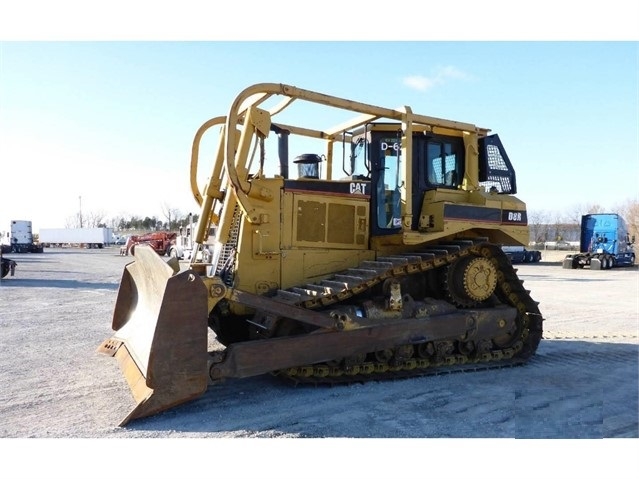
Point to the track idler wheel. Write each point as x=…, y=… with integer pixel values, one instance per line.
x=471, y=280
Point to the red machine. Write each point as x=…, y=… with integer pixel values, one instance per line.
x=160, y=241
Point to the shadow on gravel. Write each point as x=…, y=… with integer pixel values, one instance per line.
x=80, y=251
x=559, y=265
x=569, y=390
x=33, y=258
x=563, y=279
x=53, y=254
x=57, y=283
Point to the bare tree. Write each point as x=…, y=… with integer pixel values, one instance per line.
x=90, y=219
x=539, y=223
x=73, y=221
x=578, y=210
x=171, y=215
x=558, y=226
x=596, y=208
x=94, y=219
x=630, y=212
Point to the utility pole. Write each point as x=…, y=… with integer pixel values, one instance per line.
x=80, y=198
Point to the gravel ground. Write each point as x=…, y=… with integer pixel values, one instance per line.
x=582, y=385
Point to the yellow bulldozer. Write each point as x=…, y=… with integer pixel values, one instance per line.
x=379, y=257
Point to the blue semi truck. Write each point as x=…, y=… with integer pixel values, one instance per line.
x=604, y=243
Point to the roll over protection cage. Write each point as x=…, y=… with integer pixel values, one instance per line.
x=234, y=148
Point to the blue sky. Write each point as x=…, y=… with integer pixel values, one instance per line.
x=108, y=125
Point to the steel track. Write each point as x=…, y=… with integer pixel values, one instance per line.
x=509, y=290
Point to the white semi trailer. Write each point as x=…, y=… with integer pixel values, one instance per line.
x=88, y=237
x=20, y=238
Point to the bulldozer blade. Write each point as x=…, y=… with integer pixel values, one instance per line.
x=160, y=340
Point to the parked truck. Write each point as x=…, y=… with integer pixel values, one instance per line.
x=184, y=245
x=604, y=243
x=20, y=238
x=87, y=237
x=6, y=266
x=519, y=254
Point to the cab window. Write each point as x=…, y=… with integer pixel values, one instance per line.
x=443, y=168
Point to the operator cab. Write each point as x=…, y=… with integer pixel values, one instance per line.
x=438, y=163
x=376, y=154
